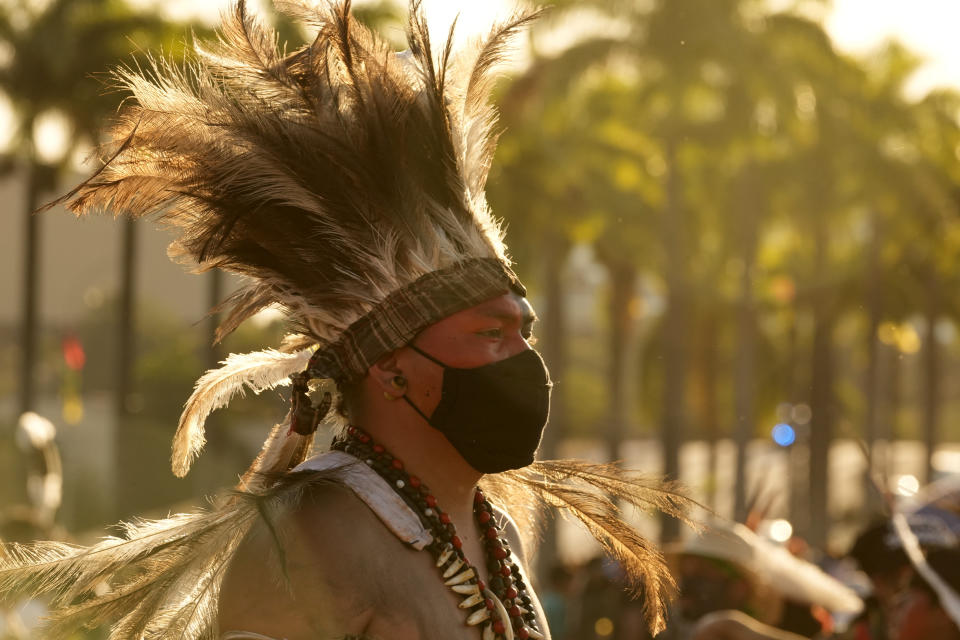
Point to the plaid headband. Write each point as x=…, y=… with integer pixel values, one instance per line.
x=409, y=310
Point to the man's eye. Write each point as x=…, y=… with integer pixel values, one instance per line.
x=492, y=333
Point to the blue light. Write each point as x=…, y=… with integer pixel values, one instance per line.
x=784, y=435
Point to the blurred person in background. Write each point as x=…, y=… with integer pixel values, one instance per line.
x=599, y=592
x=919, y=611
x=734, y=584
x=555, y=597
x=878, y=551
x=880, y=556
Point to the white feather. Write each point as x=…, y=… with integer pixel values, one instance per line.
x=257, y=371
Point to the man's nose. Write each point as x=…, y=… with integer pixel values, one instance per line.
x=517, y=344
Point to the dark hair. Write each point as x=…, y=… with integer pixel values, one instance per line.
x=946, y=562
x=873, y=550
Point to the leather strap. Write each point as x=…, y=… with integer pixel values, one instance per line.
x=382, y=499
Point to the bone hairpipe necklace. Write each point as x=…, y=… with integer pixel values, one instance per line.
x=503, y=607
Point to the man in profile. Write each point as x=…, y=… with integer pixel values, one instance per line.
x=346, y=183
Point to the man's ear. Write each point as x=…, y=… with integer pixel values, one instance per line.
x=384, y=370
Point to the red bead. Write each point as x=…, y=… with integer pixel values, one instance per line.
x=510, y=593
x=483, y=517
x=500, y=553
x=455, y=541
x=378, y=448
x=444, y=518
x=498, y=628
x=431, y=501
x=415, y=482
x=522, y=633
x=478, y=496
x=505, y=571
x=491, y=534
x=364, y=438
x=514, y=611
x=397, y=464
x=482, y=585
x=488, y=603
x=351, y=430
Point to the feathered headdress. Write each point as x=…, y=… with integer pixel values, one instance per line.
x=344, y=181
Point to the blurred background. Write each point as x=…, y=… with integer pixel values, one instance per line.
x=739, y=221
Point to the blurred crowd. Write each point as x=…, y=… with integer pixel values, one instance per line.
x=898, y=581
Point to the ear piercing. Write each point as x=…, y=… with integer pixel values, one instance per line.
x=399, y=383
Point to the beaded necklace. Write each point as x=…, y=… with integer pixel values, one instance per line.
x=503, y=607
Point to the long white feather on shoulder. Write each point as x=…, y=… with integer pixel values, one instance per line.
x=258, y=371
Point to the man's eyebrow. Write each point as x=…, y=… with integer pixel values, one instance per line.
x=529, y=317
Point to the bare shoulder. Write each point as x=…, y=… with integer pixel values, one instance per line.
x=296, y=577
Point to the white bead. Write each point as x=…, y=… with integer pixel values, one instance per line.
x=428, y=512
x=445, y=554
x=460, y=578
x=466, y=589
x=400, y=484
x=478, y=616
x=471, y=601
x=453, y=568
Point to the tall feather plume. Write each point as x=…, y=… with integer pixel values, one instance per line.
x=478, y=116
x=256, y=371
x=589, y=493
x=329, y=177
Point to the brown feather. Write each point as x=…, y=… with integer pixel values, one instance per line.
x=589, y=493
x=329, y=177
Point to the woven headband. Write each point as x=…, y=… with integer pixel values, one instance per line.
x=409, y=310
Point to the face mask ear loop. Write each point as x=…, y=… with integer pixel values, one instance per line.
x=417, y=409
x=427, y=355
x=404, y=396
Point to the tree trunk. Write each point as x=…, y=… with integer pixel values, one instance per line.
x=126, y=438
x=676, y=334
x=214, y=296
x=889, y=366
x=706, y=372
x=554, y=350
x=799, y=456
x=29, y=324
x=31, y=286
x=821, y=390
x=872, y=377
x=744, y=379
x=931, y=366
x=623, y=281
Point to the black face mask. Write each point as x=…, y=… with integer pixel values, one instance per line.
x=493, y=415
